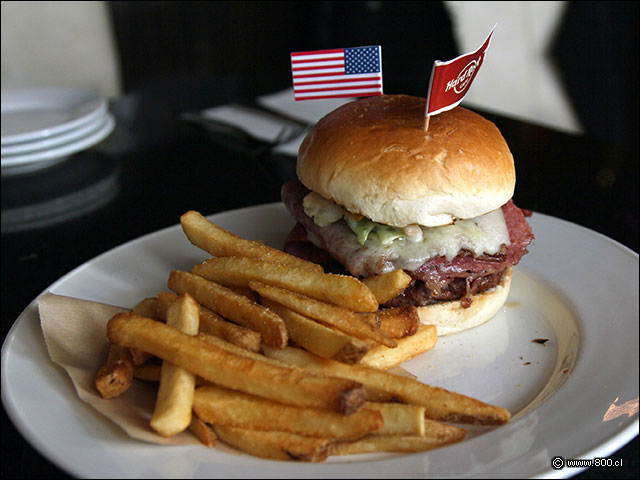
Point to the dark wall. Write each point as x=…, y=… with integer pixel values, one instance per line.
x=254, y=39
x=596, y=52
x=248, y=44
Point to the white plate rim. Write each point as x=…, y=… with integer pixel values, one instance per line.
x=70, y=100
x=626, y=428
x=105, y=129
x=72, y=135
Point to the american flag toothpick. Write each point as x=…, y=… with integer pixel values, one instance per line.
x=336, y=73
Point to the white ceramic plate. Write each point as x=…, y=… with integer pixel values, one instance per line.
x=55, y=140
x=38, y=113
x=36, y=160
x=567, y=397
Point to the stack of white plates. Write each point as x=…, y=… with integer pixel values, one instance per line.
x=41, y=127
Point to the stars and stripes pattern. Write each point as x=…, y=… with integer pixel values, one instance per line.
x=341, y=72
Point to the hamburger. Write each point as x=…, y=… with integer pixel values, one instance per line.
x=376, y=193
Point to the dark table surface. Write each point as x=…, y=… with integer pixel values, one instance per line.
x=154, y=168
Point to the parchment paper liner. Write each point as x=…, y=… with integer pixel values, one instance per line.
x=75, y=332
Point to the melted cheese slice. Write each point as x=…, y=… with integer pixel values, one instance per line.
x=480, y=235
x=322, y=210
x=483, y=234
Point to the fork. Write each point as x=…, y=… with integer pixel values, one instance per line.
x=244, y=140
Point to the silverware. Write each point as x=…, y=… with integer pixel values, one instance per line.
x=255, y=105
x=239, y=139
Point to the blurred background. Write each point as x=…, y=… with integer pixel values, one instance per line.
x=571, y=66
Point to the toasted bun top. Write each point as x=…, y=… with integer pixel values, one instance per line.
x=373, y=157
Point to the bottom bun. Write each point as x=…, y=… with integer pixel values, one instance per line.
x=452, y=317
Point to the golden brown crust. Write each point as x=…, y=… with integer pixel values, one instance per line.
x=373, y=157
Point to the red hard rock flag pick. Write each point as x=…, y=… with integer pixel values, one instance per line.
x=450, y=81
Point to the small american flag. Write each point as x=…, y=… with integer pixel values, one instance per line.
x=340, y=72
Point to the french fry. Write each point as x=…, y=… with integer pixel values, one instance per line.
x=202, y=432
x=115, y=377
x=229, y=347
x=440, y=404
x=231, y=305
x=274, y=445
x=399, y=418
x=214, y=324
x=323, y=341
x=384, y=358
x=344, y=320
x=342, y=290
x=149, y=372
x=436, y=435
x=226, y=407
x=218, y=242
x=172, y=413
x=246, y=291
x=147, y=307
x=386, y=286
x=290, y=386
x=138, y=357
x=399, y=322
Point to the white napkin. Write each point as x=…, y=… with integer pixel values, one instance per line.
x=268, y=127
x=308, y=110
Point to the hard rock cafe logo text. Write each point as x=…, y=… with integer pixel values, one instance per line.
x=462, y=81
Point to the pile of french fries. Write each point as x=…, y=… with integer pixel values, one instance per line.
x=267, y=353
